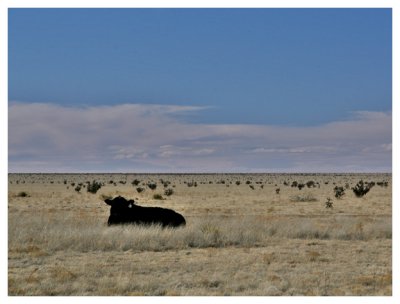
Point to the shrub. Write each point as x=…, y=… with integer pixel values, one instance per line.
x=192, y=184
x=362, y=188
x=238, y=183
x=22, y=194
x=383, y=184
x=168, y=192
x=329, y=203
x=78, y=188
x=157, y=197
x=152, y=186
x=93, y=187
x=139, y=189
x=310, y=184
x=339, y=191
x=135, y=182
x=277, y=190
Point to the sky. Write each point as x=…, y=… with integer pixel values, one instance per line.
x=200, y=90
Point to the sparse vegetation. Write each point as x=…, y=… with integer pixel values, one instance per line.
x=310, y=184
x=192, y=184
x=383, y=183
x=152, y=186
x=339, y=192
x=22, y=194
x=139, y=189
x=329, y=203
x=168, y=192
x=93, y=186
x=362, y=188
x=135, y=182
x=236, y=241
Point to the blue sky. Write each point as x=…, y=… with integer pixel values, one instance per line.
x=245, y=89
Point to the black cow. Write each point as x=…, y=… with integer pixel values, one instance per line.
x=127, y=212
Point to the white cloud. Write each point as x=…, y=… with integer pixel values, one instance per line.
x=137, y=137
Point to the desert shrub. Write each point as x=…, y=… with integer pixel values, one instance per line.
x=294, y=184
x=251, y=186
x=277, y=190
x=383, y=184
x=139, y=189
x=168, y=192
x=152, y=185
x=192, y=184
x=329, y=203
x=310, y=184
x=339, y=191
x=78, y=188
x=135, y=182
x=22, y=194
x=238, y=183
x=157, y=196
x=300, y=186
x=362, y=188
x=93, y=186
x=248, y=182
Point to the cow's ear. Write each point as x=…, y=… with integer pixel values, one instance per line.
x=109, y=201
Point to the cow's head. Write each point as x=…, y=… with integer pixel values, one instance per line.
x=119, y=204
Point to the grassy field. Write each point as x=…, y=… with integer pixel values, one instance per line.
x=243, y=236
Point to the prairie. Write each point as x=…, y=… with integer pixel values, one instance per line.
x=243, y=236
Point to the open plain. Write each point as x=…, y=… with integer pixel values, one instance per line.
x=246, y=234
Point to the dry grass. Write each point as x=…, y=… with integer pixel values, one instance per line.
x=237, y=241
